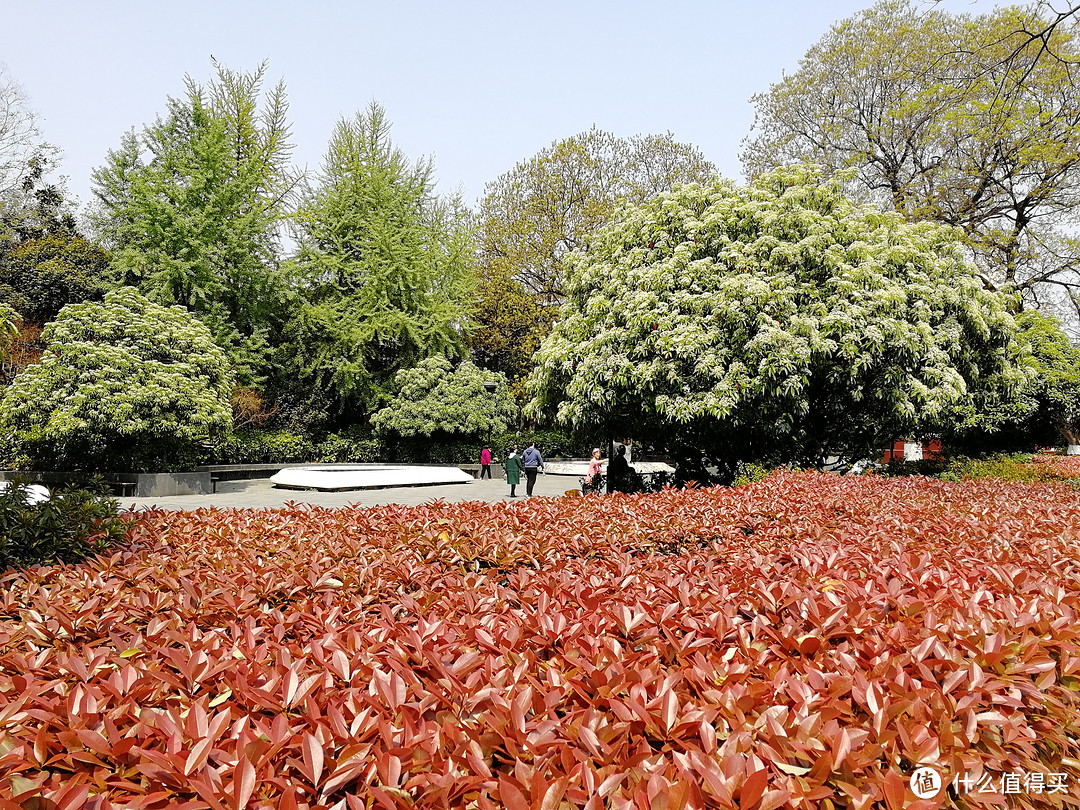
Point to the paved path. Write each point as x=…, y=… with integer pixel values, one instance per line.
x=261, y=494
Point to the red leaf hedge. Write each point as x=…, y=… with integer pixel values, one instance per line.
x=803, y=642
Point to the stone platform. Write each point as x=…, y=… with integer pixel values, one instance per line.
x=577, y=467
x=344, y=477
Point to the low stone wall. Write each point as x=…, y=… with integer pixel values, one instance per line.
x=139, y=485
x=158, y=485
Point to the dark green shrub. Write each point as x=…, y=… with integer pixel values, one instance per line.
x=264, y=447
x=550, y=443
x=351, y=446
x=74, y=524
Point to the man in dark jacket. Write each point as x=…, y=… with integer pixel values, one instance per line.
x=618, y=471
x=533, y=462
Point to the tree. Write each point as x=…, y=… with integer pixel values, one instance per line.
x=123, y=384
x=534, y=215
x=45, y=263
x=9, y=329
x=385, y=267
x=192, y=209
x=776, y=322
x=969, y=120
x=1055, y=388
x=434, y=397
x=20, y=144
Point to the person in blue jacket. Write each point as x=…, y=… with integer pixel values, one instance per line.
x=533, y=462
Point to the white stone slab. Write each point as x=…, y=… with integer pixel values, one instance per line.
x=1073, y=450
x=34, y=493
x=582, y=467
x=366, y=476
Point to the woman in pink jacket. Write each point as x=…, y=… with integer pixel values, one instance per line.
x=485, y=463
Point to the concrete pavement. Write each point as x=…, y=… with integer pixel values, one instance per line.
x=261, y=494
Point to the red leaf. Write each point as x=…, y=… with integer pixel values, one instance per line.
x=753, y=787
x=895, y=790
x=313, y=758
x=243, y=782
x=554, y=793
x=511, y=797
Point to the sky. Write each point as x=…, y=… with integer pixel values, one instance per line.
x=476, y=86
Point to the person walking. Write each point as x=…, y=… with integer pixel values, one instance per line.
x=485, y=464
x=513, y=470
x=533, y=463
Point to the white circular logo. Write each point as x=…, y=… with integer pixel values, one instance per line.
x=925, y=783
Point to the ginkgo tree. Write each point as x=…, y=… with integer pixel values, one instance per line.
x=777, y=321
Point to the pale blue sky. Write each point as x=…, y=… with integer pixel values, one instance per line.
x=478, y=86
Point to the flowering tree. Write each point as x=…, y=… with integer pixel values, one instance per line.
x=434, y=397
x=776, y=322
x=122, y=384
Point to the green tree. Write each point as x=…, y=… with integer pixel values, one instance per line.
x=434, y=397
x=1055, y=388
x=193, y=206
x=971, y=120
x=385, y=266
x=124, y=384
x=534, y=215
x=776, y=322
x=45, y=263
x=42, y=276
x=9, y=329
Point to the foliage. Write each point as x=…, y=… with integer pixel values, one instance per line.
x=353, y=446
x=72, y=525
x=534, y=215
x=552, y=204
x=21, y=146
x=965, y=119
x=9, y=329
x=125, y=384
x=250, y=410
x=551, y=443
x=254, y=446
x=767, y=646
x=1056, y=386
x=386, y=268
x=750, y=473
x=192, y=207
x=41, y=276
x=512, y=323
x=434, y=396
x=45, y=262
x=774, y=323
x=1018, y=467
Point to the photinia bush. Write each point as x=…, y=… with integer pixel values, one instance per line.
x=802, y=641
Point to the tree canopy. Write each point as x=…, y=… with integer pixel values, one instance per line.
x=21, y=146
x=192, y=208
x=551, y=204
x=435, y=397
x=532, y=216
x=385, y=268
x=971, y=120
x=776, y=322
x=123, y=384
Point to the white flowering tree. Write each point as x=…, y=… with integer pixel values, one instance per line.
x=434, y=397
x=776, y=322
x=123, y=384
